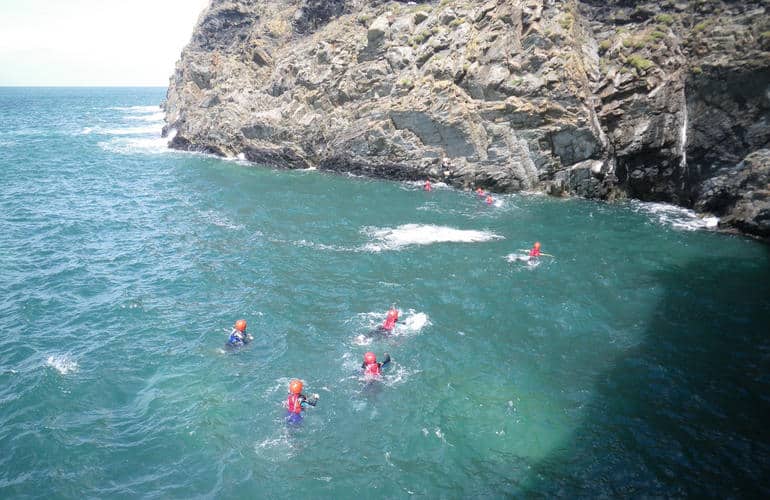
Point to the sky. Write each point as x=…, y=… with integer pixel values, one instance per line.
x=93, y=42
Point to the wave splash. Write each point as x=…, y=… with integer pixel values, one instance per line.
x=676, y=217
x=422, y=234
x=62, y=363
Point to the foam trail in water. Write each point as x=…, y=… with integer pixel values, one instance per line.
x=677, y=217
x=148, y=129
x=62, y=363
x=422, y=234
x=154, y=117
x=138, y=109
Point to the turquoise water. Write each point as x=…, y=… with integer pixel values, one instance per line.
x=633, y=362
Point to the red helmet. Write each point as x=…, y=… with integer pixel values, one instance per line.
x=537, y=244
x=240, y=325
x=370, y=358
x=295, y=386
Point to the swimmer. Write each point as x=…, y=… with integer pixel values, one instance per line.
x=371, y=367
x=534, y=254
x=427, y=186
x=480, y=192
x=489, y=199
x=391, y=319
x=239, y=336
x=296, y=402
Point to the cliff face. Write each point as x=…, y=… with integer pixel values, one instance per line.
x=654, y=100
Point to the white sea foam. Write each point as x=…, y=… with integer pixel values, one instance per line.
x=153, y=117
x=138, y=109
x=413, y=322
x=362, y=340
x=321, y=246
x=516, y=257
x=276, y=449
x=221, y=221
x=422, y=234
x=420, y=185
x=676, y=217
x=396, y=374
x=143, y=130
x=137, y=145
x=62, y=363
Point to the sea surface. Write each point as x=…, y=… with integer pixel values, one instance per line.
x=634, y=360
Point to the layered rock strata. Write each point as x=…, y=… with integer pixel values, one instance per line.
x=665, y=101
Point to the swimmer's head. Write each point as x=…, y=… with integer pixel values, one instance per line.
x=240, y=325
x=295, y=386
x=537, y=244
x=370, y=358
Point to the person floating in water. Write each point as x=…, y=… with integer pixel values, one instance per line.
x=489, y=199
x=390, y=320
x=427, y=186
x=534, y=254
x=371, y=367
x=480, y=192
x=239, y=336
x=296, y=402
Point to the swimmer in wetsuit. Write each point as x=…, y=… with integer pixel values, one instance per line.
x=296, y=402
x=390, y=319
x=371, y=367
x=534, y=254
x=238, y=335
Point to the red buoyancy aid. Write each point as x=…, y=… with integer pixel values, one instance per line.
x=390, y=320
x=535, y=252
x=372, y=369
x=294, y=403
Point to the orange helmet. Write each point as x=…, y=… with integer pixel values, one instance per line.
x=537, y=244
x=295, y=386
x=240, y=325
x=370, y=358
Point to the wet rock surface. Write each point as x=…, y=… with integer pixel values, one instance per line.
x=652, y=100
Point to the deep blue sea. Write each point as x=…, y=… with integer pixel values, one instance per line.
x=634, y=361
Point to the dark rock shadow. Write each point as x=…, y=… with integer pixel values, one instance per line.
x=687, y=412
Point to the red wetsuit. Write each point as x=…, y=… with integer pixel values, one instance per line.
x=535, y=252
x=427, y=186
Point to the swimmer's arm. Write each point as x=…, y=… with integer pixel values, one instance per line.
x=387, y=360
x=312, y=401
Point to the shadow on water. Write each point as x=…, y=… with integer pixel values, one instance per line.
x=685, y=412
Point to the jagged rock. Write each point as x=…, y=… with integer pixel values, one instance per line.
x=741, y=195
x=599, y=98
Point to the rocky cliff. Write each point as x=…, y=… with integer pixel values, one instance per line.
x=665, y=101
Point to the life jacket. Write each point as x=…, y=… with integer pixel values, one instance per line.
x=235, y=339
x=535, y=252
x=294, y=403
x=390, y=320
x=427, y=186
x=372, y=369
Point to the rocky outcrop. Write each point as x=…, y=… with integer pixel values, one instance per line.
x=740, y=194
x=595, y=98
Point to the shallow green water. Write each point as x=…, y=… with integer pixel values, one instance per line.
x=634, y=362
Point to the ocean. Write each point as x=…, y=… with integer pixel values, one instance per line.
x=632, y=361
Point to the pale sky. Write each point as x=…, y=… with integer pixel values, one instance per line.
x=93, y=42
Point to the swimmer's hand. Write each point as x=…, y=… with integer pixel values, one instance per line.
x=315, y=396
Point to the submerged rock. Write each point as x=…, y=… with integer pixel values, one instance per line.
x=594, y=98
